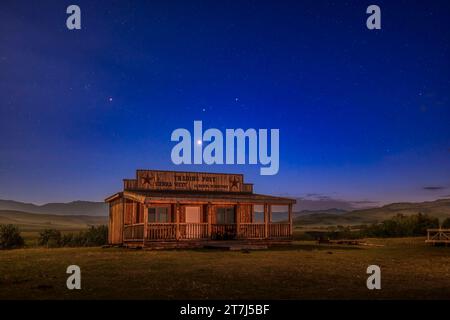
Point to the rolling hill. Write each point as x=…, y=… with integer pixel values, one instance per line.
x=82, y=214
x=35, y=222
x=71, y=208
x=439, y=209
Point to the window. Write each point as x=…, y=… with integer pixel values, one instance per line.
x=158, y=215
x=225, y=215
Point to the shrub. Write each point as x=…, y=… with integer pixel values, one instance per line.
x=50, y=238
x=96, y=236
x=10, y=237
x=67, y=240
x=401, y=226
x=446, y=224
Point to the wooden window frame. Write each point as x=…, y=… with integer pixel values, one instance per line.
x=168, y=207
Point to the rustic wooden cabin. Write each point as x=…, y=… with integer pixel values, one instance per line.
x=187, y=207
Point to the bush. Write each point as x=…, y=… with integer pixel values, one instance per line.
x=94, y=236
x=446, y=224
x=50, y=238
x=10, y=237
x=401, y=226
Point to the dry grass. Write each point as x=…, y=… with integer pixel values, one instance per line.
x=410, y=270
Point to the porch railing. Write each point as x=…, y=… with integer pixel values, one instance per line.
x=279, y=230
x=187, y=231
x=223, y=231
x=193, y=230
x=161, y=231
x=251, y=231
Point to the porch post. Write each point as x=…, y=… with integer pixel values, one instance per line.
x=266, y=221
x=238, y=220
x=145, y=223
x=208, y=213
x=177, y=221
x=290, y=219
x=270, y=213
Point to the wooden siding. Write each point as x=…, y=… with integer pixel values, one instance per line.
x=177, y=190
x=246, y=213
x=115, y=235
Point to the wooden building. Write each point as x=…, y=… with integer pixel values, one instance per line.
x=176, y=207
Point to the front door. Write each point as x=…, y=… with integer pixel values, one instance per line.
x=193, y=230
x=225, y=227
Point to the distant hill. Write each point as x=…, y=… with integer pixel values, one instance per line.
x=439, y=209
x=326, y=211
x=304, y=204
x=71, y=208
x=34, y=222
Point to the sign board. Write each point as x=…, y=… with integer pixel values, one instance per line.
x=189, y=181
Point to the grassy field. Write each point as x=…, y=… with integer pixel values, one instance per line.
x=410, y=270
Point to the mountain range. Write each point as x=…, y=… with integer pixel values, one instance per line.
x=81, y=214
x=88, y=208
x=438, y=208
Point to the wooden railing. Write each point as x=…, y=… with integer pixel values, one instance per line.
x=438, y=236
x=168, y=231
x=223, y=231
x=251, y=231
x=279, y=230
x=193, y=230
x=161, y=231
x=133, y=231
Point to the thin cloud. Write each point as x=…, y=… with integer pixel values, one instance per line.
x=434, y=188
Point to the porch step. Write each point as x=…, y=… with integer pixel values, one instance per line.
x=232, y=245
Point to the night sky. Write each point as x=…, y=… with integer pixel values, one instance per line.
x=363, y=115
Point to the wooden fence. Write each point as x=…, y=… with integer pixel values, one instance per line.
x=279, y=230
x=252, y=231
x=438, y=236
x=191, y=231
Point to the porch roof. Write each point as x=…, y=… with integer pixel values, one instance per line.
x=144, y=196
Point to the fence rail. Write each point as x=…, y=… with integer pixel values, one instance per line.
x=279, y=230
x=438, y=236
x=252, y=231
x=223, y=231
x=168, y=231
x=193, y=230
x=161, y=231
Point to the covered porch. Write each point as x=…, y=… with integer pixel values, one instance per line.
x=150, y=217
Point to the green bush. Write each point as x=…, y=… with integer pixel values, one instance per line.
x=50, y=238
x=10, y=237
x=446, y=224
x=401, y=226
x=94, y=236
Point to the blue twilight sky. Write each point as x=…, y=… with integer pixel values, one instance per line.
x=363, y=115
